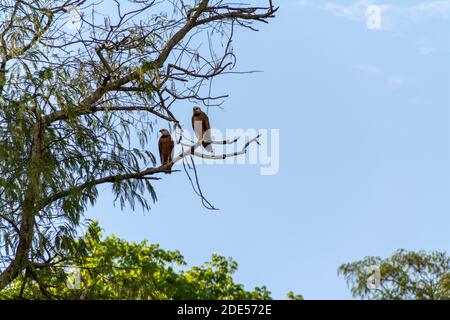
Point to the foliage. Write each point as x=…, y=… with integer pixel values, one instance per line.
x=113, y=268
x=292, y=296
x=78, y=106
x=404, y=275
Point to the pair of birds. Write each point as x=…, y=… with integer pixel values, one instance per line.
x=201, y=126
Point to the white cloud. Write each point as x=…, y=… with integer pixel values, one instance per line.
x=440, y=8
x=368, y=68
x=395, y=81
x=303, y=3
x=355, y=11
x=427, y=50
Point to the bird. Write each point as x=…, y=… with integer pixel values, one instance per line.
x=165, y=148
x=202, y=128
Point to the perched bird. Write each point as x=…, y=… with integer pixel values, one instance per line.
x=200, y=124
x=165, y=147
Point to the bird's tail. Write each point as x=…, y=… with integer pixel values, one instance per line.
x=169, y=169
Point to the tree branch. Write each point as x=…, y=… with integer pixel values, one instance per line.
x=149, y=171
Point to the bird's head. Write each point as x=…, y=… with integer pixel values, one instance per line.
x=164, y=132
x=197, y=110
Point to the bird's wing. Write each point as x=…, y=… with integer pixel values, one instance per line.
x=205, y=121
x=161, y=150
x=206, y=127
x=171, y=145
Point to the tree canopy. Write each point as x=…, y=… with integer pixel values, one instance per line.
x=405, y=275
x=78, y=105
x=112, y=268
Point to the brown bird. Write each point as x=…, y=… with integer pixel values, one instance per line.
x=202, y=129
x=165, y=147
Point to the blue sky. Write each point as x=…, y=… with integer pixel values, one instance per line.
x=364, y=149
